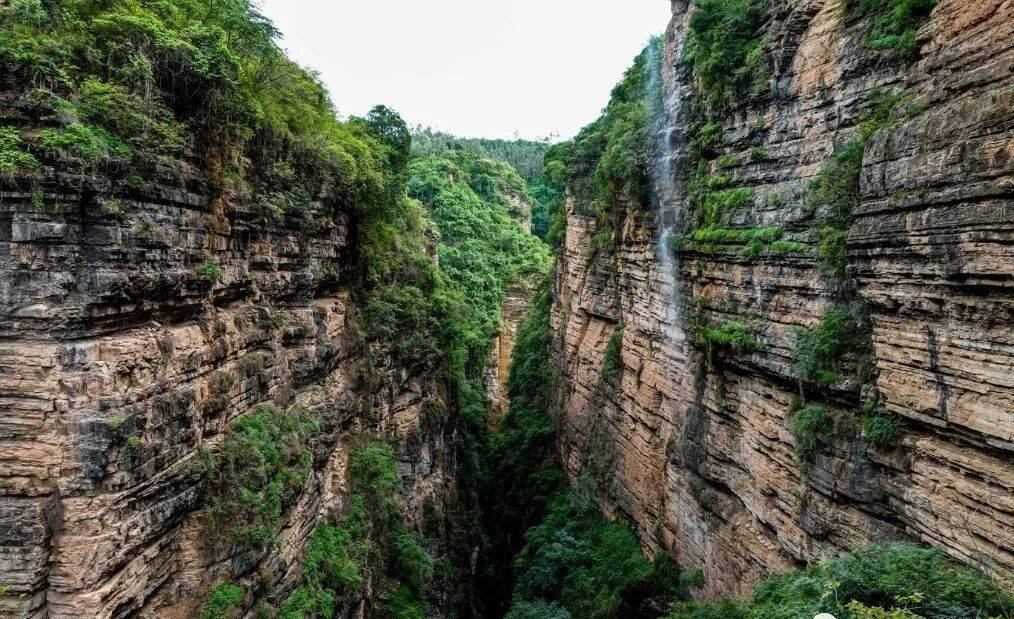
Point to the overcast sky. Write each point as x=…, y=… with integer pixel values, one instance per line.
x=475, y=68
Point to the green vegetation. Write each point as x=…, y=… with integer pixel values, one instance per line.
x=897, y=581
x=606, y=164
x=814, y=427
x=883, y=431
x=725, y=46
x=125, y=87
x=572, y=562
x=209, y=269
x=224, y=602
x=524, y=475
x=525, y=156
x=370, y=541
x=12, y=157
x=891, y=25
x=613, y=359
x=835, y=193
x=734, y=337
x=751, y=241
x=579, y=562
x=826, y=355
x=257, y=475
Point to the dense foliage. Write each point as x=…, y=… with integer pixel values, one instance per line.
x=257, y=475
x=607, y=163
x=882, y=582
x=127, y=86
x=483, y=250
x=523, y=471
x=892, y=25
x=369, y=542
x=572, y=562
x=590, y=567
x=525, y=156
x=727, y=52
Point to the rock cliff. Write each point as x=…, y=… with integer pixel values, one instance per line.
x=699, y=432
x=123, y=360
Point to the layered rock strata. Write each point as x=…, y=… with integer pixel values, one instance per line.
x=700, y=453
x=133, y=330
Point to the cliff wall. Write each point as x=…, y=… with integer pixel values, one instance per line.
x=697, y=438
x=123, y=359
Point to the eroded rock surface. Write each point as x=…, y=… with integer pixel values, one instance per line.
x=700, y=455
x=121, y=361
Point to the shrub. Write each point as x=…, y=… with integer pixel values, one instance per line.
x=732, y=336
x=613, y=358
x=883, y=431
x=12, y=158
x=257, y=475
x=724, y=45
x=224, y=601
x=209, y=269
x=814, y=427
x=402, y=604
x=892, y=25
x=894, y=581
x=91, y=144
x=579, y=559
x=823, y=355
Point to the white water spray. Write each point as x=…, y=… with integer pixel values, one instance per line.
x=665, y=169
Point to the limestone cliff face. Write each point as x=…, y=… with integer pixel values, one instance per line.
x=515, y=307
x=701, y=455
x=122, y=359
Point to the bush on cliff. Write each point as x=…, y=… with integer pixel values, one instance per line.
x=898, y=581
x=124, y=86
x=257, y=475
x=892, y=25
x=371, y=541
x=724, y=45
x=608, y=160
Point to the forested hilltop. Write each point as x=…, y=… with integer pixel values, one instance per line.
x=736, y=350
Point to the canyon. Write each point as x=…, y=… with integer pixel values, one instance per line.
x=300, y=338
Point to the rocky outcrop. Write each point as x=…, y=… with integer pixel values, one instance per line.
x=700, y=454
x=515, y=307
x=136, y=324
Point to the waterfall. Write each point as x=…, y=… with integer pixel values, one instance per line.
x=665, y=168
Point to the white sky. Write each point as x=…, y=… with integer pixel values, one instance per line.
x=475, y=68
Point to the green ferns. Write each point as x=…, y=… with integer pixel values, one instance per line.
x=899, y=581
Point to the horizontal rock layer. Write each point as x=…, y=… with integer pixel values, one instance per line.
x=700, y=456
x=120, y=362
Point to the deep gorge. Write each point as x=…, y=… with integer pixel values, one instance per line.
x=741, y=348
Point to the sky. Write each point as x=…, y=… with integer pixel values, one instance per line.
x=474, y=68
